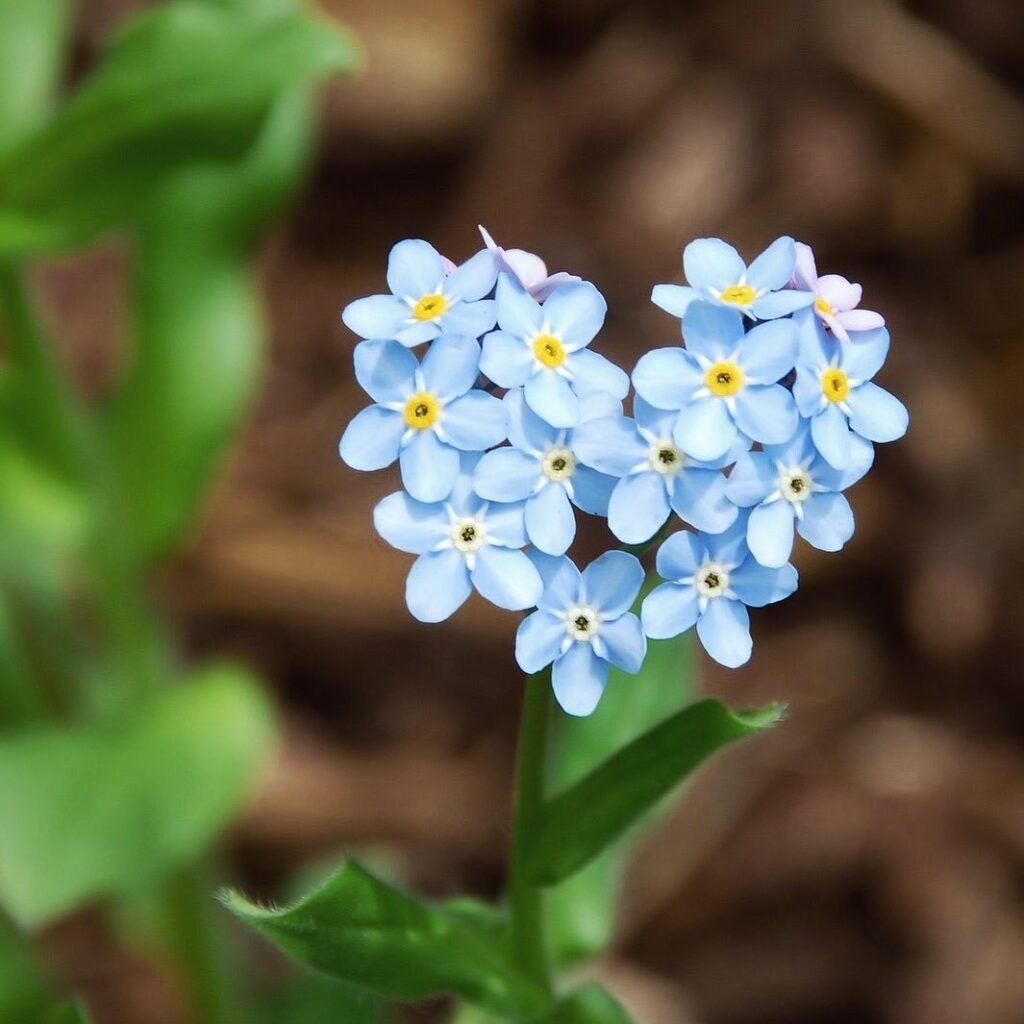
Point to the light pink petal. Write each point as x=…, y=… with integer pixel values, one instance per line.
x=528, y=268
x=835, y=325
x=805, y=274
x=861, y=320
x=449, y=267
x=542, y=289
x=488, y=241
x=838, y=292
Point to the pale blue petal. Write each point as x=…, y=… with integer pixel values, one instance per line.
x=876, y=414
x=807, y=389
x=654, y=420
x=380, y=317
x=539, y=640
x=597, y=404
x=611, y=583
x=827, y=523
x=437, y=586
x=752, y=479
x=474, y=279
x=798, y=449
x=418, y=332
x=767, y=413
x=550, y=521
x=770, y=533
x=831, y=435
x=549, y=395
x=816, y=346
x=674, y=298
x=611, y=445
x=506, y=523
x=506, y=474
x=575, y=314
x=757, y=585
x=475, y=421
x=680, y=556
x=774, y=267
x=724, y=630
x=862, y=455
x=408, y=524
x=562, y=582
x=668, y=610
x=776, y=304
x=638, y=507
x=592, y=372
x=699, y=497
x=592, y=491
x=385, y=370
x=730, y=546
x=712, y=263
x=506, y=360
x=429, y=468
x=415, y=269
x=712, y=331
x=517, y=313
x=372, y=439
x=578, y=679
x=463, y=499
x=506, y=578
x=667, y=377
x=525, y=428
x=624, y=642
x=768, y=352
x=864, y=354
x=704, y=429
x=451, y=366
x=472, y=318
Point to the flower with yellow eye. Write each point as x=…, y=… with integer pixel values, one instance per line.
x=716, y=273
x=834, y=390
x=429, y=297
x=724, y=384
x=426, y=413
x=835, y=298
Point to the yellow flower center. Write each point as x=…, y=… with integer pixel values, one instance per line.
x=548, y=350
x=723, y=379
x=430, y=307
x=740, y=294
x=824, y=307
x=421, y=410
x=835, y=385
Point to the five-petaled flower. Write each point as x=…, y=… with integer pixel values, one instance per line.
x=835, y=298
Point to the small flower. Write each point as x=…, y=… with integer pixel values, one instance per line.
x=712, y=581
x=583, y=625
x=724, y=381
x=428, y=297
x=656, y=478
x=529, y=270
x=835, y=298
x=833, y=389
x=463, y=543
x=541, y=469
x=425, y=413
x=716, y=273
x=792, y=482
x=543, y=349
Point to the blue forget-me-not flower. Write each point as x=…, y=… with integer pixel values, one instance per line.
x=583, y=625
x=428, y=298
x=541, y=469
x=464, y=543
x=425, y=413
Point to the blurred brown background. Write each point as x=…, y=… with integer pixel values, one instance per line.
x=866, y=863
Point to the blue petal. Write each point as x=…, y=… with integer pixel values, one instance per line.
x=757, y=585
x=730, y=546
x=506, y=523
x=437, y=586
x=658, y=422
x=611, y=583
x=550, y=522
x=862, y=455
x=831, y=434
x=774, y=267
x=816, y=346
x=724, y=630
x=624, y=643
x=704, y=429
x=863, y=358
x=876, y=414
x=526, y=429
x=674, y=298
x=807, y=389
x=668, y=610
x=827, y=523
x=611, y=445
x=562, y=581
x=598, y=404
x=578, y=679
x=539, y=640
x=712, y=331
x=575, y=314
x=518, y=313
x=451, y=366
x=712, y=263
x=506, y=360
x=372, y=439
x=698, y=497
x=798, y=449
x=638, y=507
x=506, y=474
x=667, y=377
x=506, y=578
x=475, y=278
x=592, y=491
x=415, y=269
x=770, y=533
x=429, y=468
x=380, y=317
x=776, y=304
x=752, y=479
x=410, y=525
x=768, y=352
x=417, y=332
x=463, y=499
x=385, y=370
x=767, y=413
x=472, y=318
x=680, y=556
x=475, y=421
x=592, y=373
x=549, y=395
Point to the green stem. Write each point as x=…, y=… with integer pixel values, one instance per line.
x=529, y=942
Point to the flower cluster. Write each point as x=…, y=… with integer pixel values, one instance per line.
x=747, y=434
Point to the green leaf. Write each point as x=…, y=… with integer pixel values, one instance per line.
x=580, y=822
x=588, y=1005
x=101, y=811
x=316, y=999
x=361, y=931
x=184, y=84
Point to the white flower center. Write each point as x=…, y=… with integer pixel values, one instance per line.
x=581, y=623
x=665, y=457
x=558, y=464
x=468, y=534
x=795, y=484
x=711, y=580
